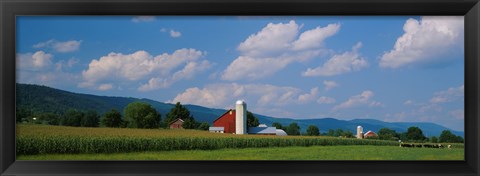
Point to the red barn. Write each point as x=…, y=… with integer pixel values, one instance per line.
x=227, y=121
x=370, y=134
x=177, y=124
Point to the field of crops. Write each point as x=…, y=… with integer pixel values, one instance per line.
x=43, y=139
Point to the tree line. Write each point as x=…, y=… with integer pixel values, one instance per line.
x=135, y=115
x=413, y=134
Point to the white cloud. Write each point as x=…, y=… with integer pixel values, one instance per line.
x=140, y=66
x=325, y=100
x=358, y=100
x=329, y=85
x=449, y=95
x=314, y=38
x=105, y=87
x=274, y=48
x=257, y=95
x=139, y=19
x=408, y=102
x=63, y=47
x=457, y=114
x=308, y=97
x=424, y=41
x=186, y=73
x=175, y=34
x=35, y=61
x=339, y=64
x=271, y=39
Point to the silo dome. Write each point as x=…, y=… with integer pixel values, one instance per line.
x=240, y=102
x=359, y=126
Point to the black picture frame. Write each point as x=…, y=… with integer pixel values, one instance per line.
x=12, y=8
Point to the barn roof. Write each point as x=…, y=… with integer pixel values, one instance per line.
x=262, y=130
x=369, y=132
x=280, y=132
x=224, y=114
x=176, y=120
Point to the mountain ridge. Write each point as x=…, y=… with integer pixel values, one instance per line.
x=46, y=99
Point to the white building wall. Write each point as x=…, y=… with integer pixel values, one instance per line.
x=240, y=117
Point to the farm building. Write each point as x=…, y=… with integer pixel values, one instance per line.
x=235, y=121
x=177, y=124
x=370, y=134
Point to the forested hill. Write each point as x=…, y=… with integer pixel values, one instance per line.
x=45, y=99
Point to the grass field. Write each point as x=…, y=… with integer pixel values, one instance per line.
x=43, y=142
x=279, y=153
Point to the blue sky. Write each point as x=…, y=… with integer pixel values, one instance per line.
x=396, y=69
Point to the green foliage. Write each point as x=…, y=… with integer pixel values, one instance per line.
x=293, y=129
x=447, y=136
x=338, y=132
x=415, y=134
x=48, y=118
x=141, y=115
x=179, y=111
x=91, y=119
x=72, y=117
x=313, y=130
x=41, y=139
x=331, y=132
x=204, y=126
x=434, y=139
x=113, y=118
x=387, y=134
x=189, y=123
x=277, y=125
x=252, y=121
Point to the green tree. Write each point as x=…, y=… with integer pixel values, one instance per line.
x=22, y=114
x=252, y=121
x=313, y=130
x=387, y=134
x=113, y=118
x=189, y=123
x=177, y=112
x=448, y=136
x=331, y=132
x=277, y=125
x=141, y=115
x=90, y=119
x=348, y=134
x=415, y=134
x=204, y=126
x=72, y=117
x=434, y=139
x=338, y=132
x=48, y=118
x=293, y=129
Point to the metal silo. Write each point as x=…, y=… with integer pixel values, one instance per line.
x=359, y=132
x=241, y=117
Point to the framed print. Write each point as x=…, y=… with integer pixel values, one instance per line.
x=239, y=87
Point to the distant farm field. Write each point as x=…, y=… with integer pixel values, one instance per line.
x=50, y=142
x=350, y=152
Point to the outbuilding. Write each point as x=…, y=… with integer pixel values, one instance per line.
x=177, y=124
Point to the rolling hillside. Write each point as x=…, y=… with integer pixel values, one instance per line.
x=46, y=99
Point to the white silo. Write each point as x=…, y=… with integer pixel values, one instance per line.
x=241, y=117
x=359, y=132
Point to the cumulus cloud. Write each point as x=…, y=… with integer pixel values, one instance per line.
x=452, y=94
x=38, y=68
x=325, y=100
x=275, y=47
x=340, y=63
x=186, y=73
x=314, y=38
x=424, y=41
x=58, y=46
x=308, y=97
x=358, y=100
x=175, y=34
x=140, y=65
x=139, y=19
x=105, y=87
x=330, y=84
x=36, y=61
x=260, y=95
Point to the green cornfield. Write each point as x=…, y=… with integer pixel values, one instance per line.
x=44, y=139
